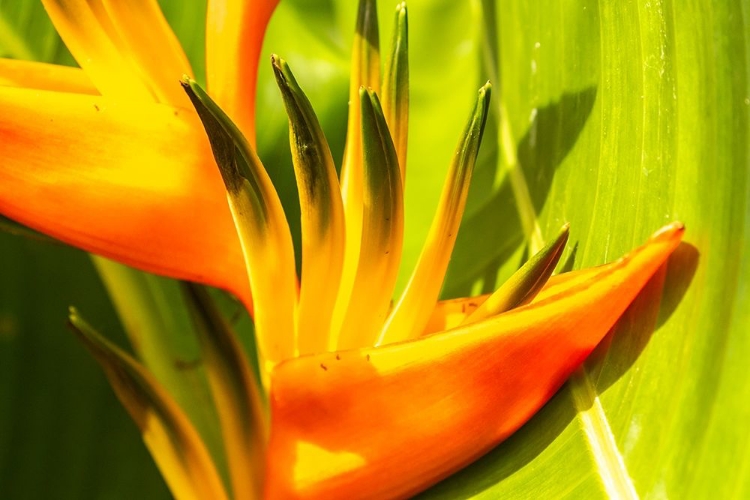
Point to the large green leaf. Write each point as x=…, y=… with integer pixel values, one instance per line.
x=628, y=115
x=624, y=116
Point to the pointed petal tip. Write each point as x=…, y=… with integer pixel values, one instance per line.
x=670, y=232
x=483, y=101
x=562, y=237
x=282, y=73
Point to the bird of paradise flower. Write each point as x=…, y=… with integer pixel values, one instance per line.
x=365, y=399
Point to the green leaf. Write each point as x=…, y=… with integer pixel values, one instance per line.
x=27, y=33
x=625, y=117
x=62, y=432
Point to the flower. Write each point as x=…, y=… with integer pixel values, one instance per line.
x=158, y=206
x=365, y=400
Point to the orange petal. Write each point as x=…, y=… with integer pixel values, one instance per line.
x=391, y=421
x=135, y=183
x=42, y=76
x=234, y=38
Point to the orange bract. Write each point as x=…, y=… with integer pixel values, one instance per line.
x=133, y=182
x=388, y=422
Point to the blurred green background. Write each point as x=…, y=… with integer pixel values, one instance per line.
x=625, y=116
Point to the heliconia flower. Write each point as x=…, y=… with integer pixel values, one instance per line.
x=365, y=399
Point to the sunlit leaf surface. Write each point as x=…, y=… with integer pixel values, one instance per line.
x=624, y=116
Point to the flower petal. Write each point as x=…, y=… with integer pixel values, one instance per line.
x=412, y=310
x=382, y=230
x=234, y=38
x=85, y=28
x=365, y=72
x=391, y=421
x=262, y=228
x=152, y=46
x=451, y=313
x=525, y=283
x=43, y=76
x=322, y=214
x=235, y=393
x=169, y=435
x=396, y=87
x=134, y=183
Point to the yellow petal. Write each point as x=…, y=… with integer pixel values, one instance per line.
x=42, y=76
x=382, y=230
x=391, y=421
x=413, y=308
x=449, y=314
x=85, y=28
x=526, y=282
x=235, y=393
x=365, y=72
x=262, y=228
x=322, y=215
x=234, y=37
x=152, y=46
x=174, y=443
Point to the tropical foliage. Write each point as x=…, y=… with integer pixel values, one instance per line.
x=621, y=118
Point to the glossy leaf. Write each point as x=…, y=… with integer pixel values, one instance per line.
x=623, y=116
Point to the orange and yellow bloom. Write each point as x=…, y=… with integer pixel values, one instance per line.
x=365, y=399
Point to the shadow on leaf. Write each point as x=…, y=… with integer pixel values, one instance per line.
x=491, y=231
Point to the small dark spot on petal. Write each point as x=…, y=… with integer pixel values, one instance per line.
x=324, y=367
x=96, y=107
x=338, y=358
x=368, y=357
